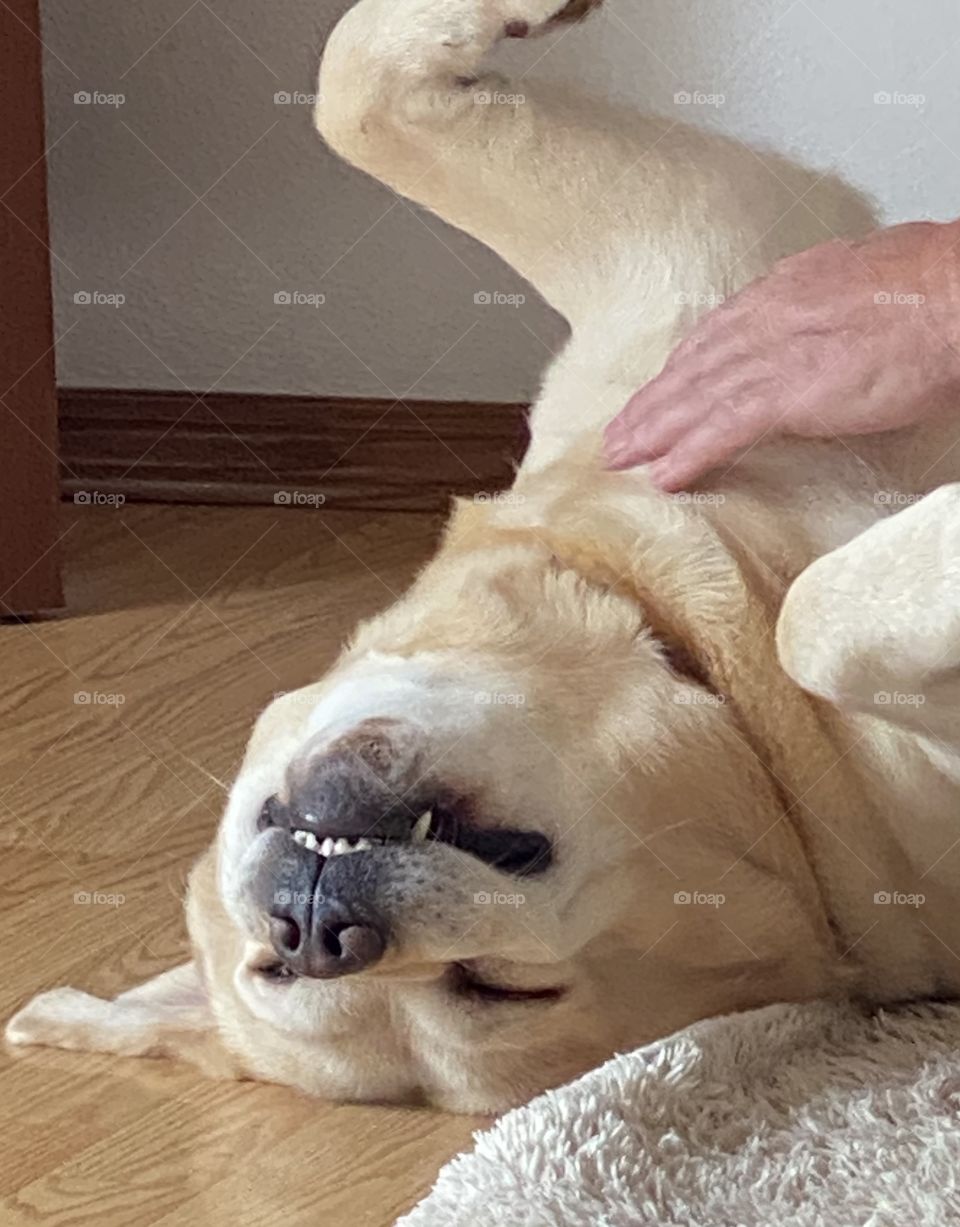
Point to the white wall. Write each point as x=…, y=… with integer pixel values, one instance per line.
x=399, y=315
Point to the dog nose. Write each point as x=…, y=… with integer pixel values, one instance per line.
x=327, y=941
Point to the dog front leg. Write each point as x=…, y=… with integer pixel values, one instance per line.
x=404, y=95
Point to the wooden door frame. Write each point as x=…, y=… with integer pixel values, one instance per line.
x=29, y=490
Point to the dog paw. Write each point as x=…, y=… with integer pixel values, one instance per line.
x=546, y=16
x=576, y=10
x=70, y=1018
x=54, y=1018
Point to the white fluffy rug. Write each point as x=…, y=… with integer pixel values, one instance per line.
x=798, y=1116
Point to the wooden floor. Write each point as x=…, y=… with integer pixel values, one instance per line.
x=194, y=618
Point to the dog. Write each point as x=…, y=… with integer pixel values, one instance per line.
x=619, y=760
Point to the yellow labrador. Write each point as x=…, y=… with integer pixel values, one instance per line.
x=618, y=761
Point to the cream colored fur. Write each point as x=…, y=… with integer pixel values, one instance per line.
x=783, y=789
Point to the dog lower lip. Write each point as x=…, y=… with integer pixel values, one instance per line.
x=520, y=853
x=466, y=983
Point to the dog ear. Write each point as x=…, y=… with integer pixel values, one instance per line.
x=168, y=1016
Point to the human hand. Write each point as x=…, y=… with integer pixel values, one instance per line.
x=841, y=339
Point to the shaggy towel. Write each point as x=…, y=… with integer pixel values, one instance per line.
x=798, y=1116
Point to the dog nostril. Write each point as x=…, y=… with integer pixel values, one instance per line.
x=353, y=945
x=285, y=935
x=334, y=944
x=331, y=942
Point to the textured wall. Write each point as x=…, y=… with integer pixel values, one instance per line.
x=278, y=213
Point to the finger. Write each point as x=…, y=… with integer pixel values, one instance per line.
x=636, y=438
x=715, y=442
x=660, y=414
x=736, y=393
x=727, y=332
x=664, y=392
x=712, y=363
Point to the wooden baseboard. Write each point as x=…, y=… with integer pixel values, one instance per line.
x=247, y=448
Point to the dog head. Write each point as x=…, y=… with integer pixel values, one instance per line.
x=449, y=871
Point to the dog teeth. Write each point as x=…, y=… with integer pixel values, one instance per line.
x=343, y=846
x=330, y=846
x=306, y=839
x=421, y=828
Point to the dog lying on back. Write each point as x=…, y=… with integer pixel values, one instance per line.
x=616, y=762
